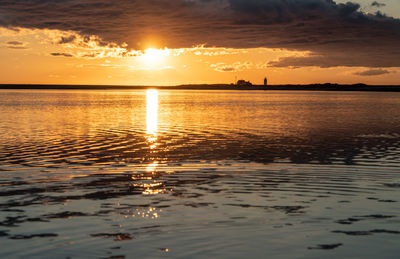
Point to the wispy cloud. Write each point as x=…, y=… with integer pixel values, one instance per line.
x=16, y=45
x=61, y=55
x=372, y=72
x=235, y=67
x=213, y=51
x=377, y=4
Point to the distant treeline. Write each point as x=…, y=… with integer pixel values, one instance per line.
x=310, y=87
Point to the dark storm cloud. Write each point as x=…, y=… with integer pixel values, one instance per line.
x=372, y=72
x=376, y=4
x=338, y=34
x=61, y=55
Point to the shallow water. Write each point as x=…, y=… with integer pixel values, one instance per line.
x=144, y=174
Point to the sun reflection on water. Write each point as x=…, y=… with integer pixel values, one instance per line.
x=152, y=114
x=151, y=167
x=145, y=213
x=152, y=128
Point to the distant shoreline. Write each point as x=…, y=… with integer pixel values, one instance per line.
x=309, y=87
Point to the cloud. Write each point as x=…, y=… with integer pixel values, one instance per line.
x=372, y=72
x=88, y=46
x=67, y=39
x=62, y=55
x=203, y=51
x=15, y=45
x=235, y=67
x=328, y=29
x=376, y=4
x=327, y=60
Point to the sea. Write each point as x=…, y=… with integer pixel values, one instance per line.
x=199, y=174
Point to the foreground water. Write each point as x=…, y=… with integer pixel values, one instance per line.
x=144, y=174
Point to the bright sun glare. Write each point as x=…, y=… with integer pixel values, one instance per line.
x=153, y=57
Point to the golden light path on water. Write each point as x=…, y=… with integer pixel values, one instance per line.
x=152, y=112
x=151, y=130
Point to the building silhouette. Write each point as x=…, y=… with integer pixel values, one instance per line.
x=243, y=83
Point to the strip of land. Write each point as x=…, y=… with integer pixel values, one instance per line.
x=310, y=87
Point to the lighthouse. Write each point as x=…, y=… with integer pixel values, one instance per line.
x=265, y=82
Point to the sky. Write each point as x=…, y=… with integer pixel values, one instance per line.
x=171, y=42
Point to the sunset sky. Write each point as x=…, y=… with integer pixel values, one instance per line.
x=170, y=42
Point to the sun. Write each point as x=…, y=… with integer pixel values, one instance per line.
x=152, y=58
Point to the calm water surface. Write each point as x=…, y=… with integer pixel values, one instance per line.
x=148, y=174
